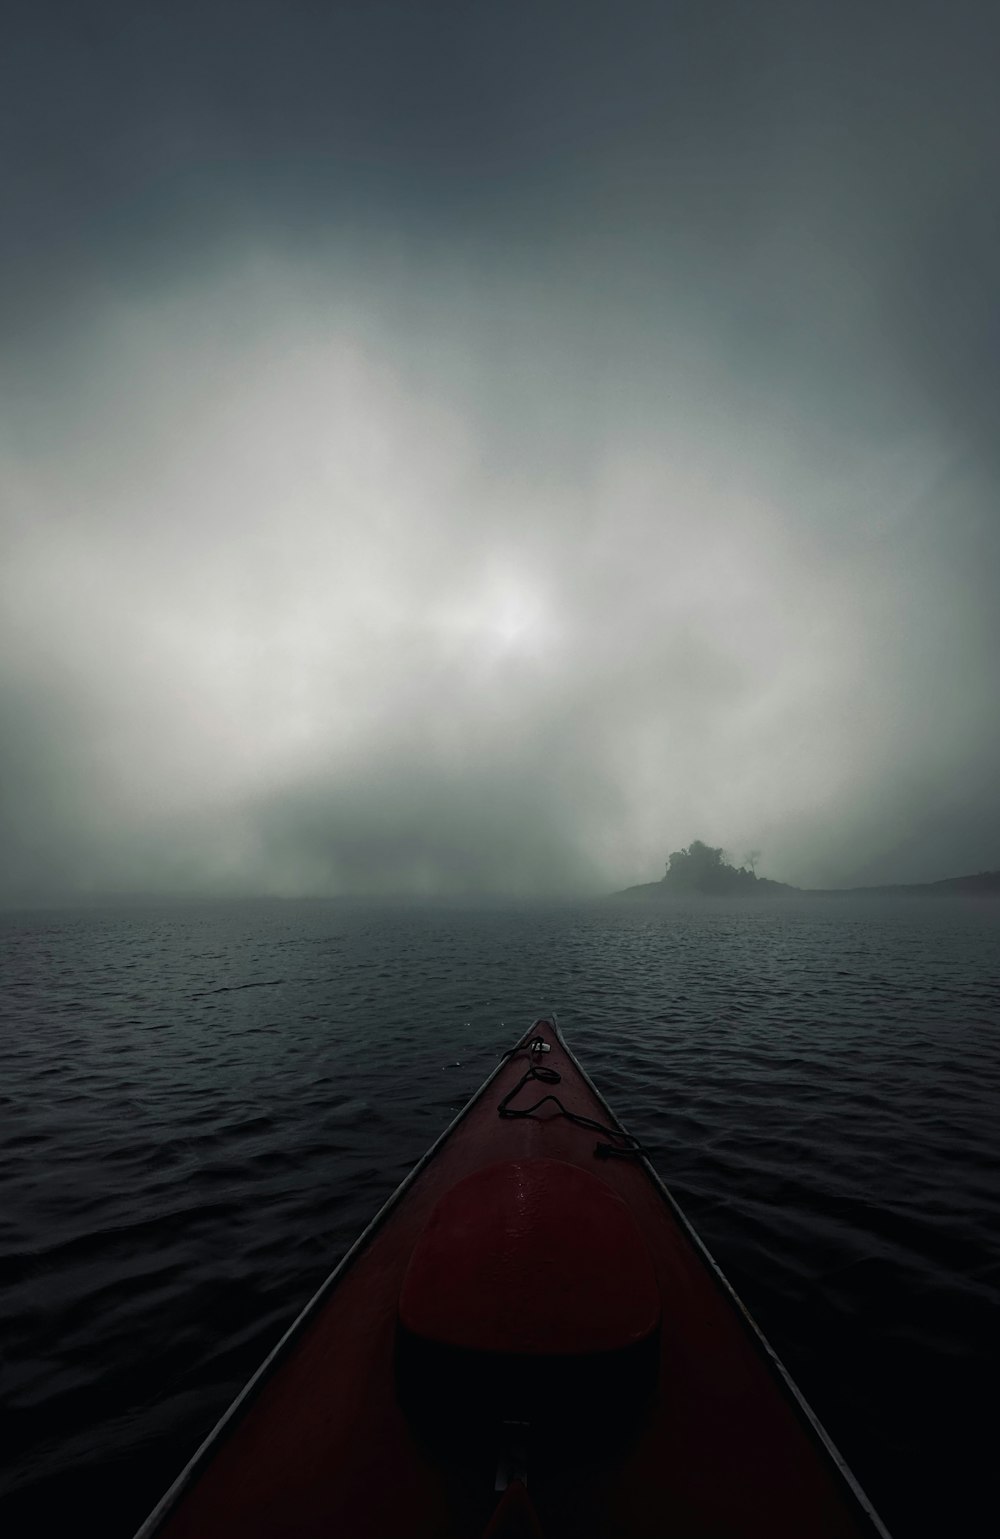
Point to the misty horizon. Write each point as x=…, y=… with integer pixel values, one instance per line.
x=468, y=451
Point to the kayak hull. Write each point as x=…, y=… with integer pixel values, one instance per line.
x=711, y=1440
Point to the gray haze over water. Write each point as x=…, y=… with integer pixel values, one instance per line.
x=478, y=448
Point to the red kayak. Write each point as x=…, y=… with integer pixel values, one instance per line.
x=528, y=1340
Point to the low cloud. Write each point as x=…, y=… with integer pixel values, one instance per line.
x=483, y=457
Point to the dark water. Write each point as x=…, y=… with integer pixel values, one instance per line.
x=200, y=1108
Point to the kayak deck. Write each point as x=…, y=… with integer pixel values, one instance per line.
x=320, y=1445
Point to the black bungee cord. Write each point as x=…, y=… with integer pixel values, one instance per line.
x=619, y=1144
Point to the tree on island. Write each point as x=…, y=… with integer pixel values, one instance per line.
x=702, y=868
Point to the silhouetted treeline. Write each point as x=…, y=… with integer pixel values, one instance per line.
x=703, y=868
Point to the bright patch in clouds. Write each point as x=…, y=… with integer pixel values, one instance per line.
x=291, y=562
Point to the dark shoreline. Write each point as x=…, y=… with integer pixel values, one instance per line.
x=985, y=883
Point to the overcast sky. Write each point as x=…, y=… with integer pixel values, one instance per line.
x=481, y=447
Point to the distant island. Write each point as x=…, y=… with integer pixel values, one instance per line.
x=703, y=868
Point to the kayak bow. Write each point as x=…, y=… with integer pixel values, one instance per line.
x=529, y=1339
